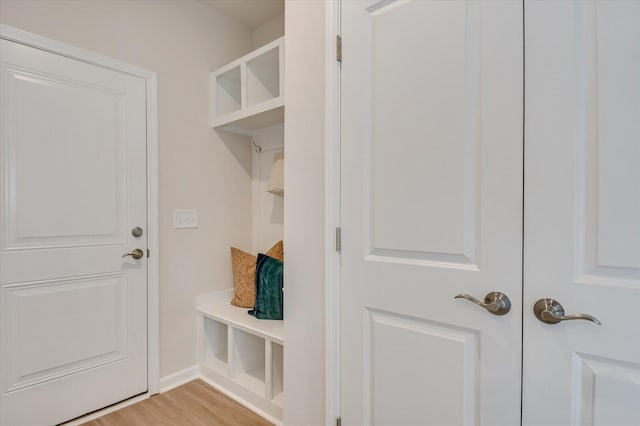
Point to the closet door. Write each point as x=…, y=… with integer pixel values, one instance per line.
x=431, y=208
x=582, y=213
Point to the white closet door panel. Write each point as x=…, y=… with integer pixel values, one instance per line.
x=582, y=212
x=431, y=207
x=425, y=118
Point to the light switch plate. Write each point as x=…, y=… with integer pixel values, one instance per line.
x=185, y=218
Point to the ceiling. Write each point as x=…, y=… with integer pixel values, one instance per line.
x=249, y=12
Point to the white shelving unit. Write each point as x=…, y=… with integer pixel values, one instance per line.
x=243, y=356
x=240, y=355
x=248, y=93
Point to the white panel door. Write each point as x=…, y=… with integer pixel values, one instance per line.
x=73, y=184
x=582, y=212
x=431, y=208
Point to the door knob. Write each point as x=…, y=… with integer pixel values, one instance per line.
x=551, y=311
x=495, y=302
x=136, y=254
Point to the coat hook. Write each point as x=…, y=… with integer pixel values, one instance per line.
x=257, y=148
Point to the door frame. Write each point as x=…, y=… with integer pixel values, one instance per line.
x=333, y=186
x=86, y=56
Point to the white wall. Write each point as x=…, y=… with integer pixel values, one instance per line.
x=267, y=208
x=182, y=41
x=304, y=211
x=269, y=31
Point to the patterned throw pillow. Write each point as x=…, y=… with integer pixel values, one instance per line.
x=244, y=272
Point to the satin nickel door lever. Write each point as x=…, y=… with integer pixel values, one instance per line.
x=495, y=302
x=550, y=311
x=136, y=254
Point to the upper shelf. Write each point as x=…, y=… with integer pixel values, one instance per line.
x=248, y=93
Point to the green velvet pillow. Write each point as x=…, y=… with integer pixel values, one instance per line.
x=269, y=297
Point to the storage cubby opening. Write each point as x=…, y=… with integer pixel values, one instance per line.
x=263, y=77
x=249, y=361
x=277, y=372
x=215, y=348
x=228, y=92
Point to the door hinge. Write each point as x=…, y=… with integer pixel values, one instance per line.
x=339, y=48
x=148, y=253
x=338, y=239
x=338, y=421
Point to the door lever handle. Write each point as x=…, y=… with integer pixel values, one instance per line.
x=550, y=311
x=136, y=254
x=495, y=302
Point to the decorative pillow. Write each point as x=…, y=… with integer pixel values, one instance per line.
x=269, y=297
x=244, y=271
x=277, y=251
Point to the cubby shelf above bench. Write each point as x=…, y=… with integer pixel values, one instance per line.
x=248, y=93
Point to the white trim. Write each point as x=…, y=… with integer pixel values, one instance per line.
x=241, y=401
x=179, y=378
x=66, y=50
x=153, y=239
x=332, y=214
x=69, y=51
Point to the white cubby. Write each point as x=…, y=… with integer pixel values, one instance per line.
x=263, y=77
x=277, y=370
x=215, y=345
x=228, y=92
x=247, y=94
x=249, y=361
x=243, y=356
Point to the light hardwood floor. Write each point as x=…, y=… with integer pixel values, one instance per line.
x=192, y=404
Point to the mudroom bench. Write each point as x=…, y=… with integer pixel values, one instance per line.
x=242, y=356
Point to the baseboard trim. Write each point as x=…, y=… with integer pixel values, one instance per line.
x=179, y=378
x=241, y=401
